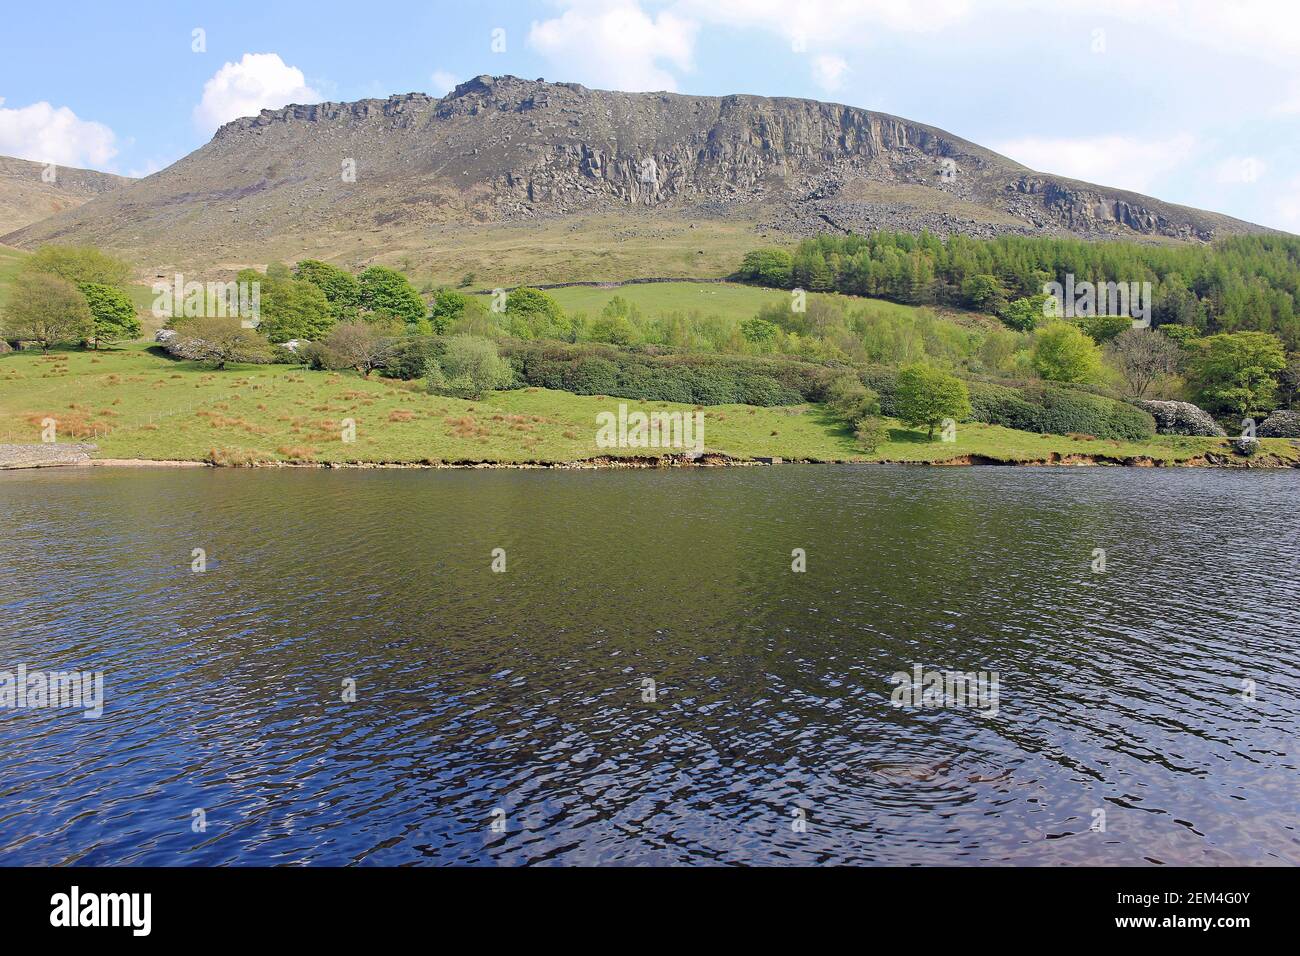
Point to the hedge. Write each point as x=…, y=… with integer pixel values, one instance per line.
x=589, y=369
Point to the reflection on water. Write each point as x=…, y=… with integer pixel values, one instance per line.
x=520, y=696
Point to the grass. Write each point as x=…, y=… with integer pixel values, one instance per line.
x=728, y=300
x=147, y=406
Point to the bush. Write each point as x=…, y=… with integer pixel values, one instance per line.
x=1281, y=424
x=413, y=356
x=1066, y=410
x=593, y=369
x=1000, y=405
x=870, y=433
x=468, y=367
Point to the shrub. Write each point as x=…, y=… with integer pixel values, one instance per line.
x=1066, y=410
x=870, y=433
x=468, y=367
x=1063, y=353
x=413, y=356
x=1000, y=405
x=1281, y=424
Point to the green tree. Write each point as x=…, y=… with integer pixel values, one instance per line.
x=1024, y=314
x=532, y=314
x=290, y=308
x=926, y=396
x=447, y=308
x=468, y=368
x=770, y=267
x=1237, y=371
x=984, y=293
x=79, y=264
x=112, y=313
x=1063, y=353
x=386, y=292
x=48, y=310
x=341, y=288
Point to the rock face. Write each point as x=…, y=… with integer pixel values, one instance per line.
x=1181, y=418
x=1281, y=424
x=500, y=150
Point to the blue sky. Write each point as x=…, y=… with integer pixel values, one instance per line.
x=1194, y=101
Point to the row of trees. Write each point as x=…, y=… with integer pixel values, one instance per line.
x=70, y=295
x=1241, y=283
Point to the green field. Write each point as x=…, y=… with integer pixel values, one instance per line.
x=144, y=405
x=729, y=300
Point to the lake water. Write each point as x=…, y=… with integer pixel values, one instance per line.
x=519, y=698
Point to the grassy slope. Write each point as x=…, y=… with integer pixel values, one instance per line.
x=285, y=413
x=727, y=299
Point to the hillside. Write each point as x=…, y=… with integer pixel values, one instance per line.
x=584, y=184
x=27, y=197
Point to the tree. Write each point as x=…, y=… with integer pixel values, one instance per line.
x=216, y=341
x=112, y=313
x=290, y=308
x=1062, y=353
x=984, y=293
x=386, y=292
x=1237, y=371
x=448, y=308
x=1288, y=385
x=341, y=288
x=1102, y=328
x=926, y=396
x=1023, y=314
x=770, y=267
x=47, y=310
x=1143, y=357
x=469, y=368
x=363, y=346
x=532, y=314
x=79, y=264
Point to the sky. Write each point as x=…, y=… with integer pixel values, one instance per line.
x=1192, y=101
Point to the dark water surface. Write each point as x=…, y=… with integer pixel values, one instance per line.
x=522, y=691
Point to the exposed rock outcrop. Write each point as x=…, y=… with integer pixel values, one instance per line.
x=502, y=150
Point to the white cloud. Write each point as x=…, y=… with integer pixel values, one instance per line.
x=829, y=70
x=46, y=134
x=1236, y=170
x=1121, y=162
x=443, y=82
x=1288, y=206
x=836, y=23
x=259, y=81
x=614, y=43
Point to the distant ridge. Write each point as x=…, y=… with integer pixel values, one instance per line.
x=499, y=152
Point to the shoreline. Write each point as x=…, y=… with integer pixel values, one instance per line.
x=716, y=460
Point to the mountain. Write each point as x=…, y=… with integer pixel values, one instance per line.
x=32, y=191
x=505, y=175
